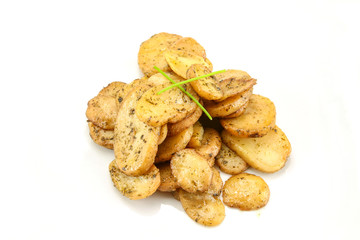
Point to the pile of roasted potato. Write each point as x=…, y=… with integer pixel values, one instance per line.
x=162, y=143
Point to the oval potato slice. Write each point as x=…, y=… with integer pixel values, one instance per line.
x=168, y=181
x=203, y=208
x=175, y=128
x=101, y=136
x=207, y=88
x=229, y=162
x=233, y=82
x=135, y=143
x=267, y=154
x=181, y=61
x=163, y=134
x=256, y=121
x=246, y=192
x=135, y=187
x=170, y=106
x=210, y=145
x=229, y=105
x=196, y=138
x=189, y=45
x=172, y=144
x=191, y=170
x=151, y=52
x=102, y=111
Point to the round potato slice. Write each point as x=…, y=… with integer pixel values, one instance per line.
x=216, y=183
x=191, y=171
x=267, y=154
x=170, y=106
x=229, y=105
x=173, y=144
x=135, y=143
x=181, y=61
x=189, y=45
x=229, y=162
x=196, y=138
x=113, y=89
x=102, y=111
x=168, y=181
x=163, y=134
x=233, y=82
x=207, y=88
x=203, y=208
x=246, y=191
x=101, y=136
x=210, y=145
x=256, y=121
x=135, y=187
x=175, y=128
x=151, y=52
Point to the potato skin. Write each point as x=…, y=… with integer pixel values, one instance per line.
x=246, y=192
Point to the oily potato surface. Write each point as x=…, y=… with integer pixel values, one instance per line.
x=135, y=187
x=246, y=192
x=267, y=154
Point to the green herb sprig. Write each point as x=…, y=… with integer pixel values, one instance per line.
x=184, y=91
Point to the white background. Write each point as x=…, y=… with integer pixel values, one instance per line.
x=56, y=55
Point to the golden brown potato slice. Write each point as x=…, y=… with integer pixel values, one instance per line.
x=207, y=88
x=151, y=52
x=168, y=181
x=189, y=45
x=172, y=144
x=196, y=138
x=191, y=171
x=229, y=162
x=233, y=82
x=229, y=105
x=102, y=111
x=163, y=134
x=203, y=208
x=175, y=128
x=246, y=191
x=216, y=183
x=101, y=136
x=181, y=61
x=256, y=121
x=267, y=154
x=210, y=145
x=113, y=89
x=135, y=187
x=135, y=143
x=170, y=106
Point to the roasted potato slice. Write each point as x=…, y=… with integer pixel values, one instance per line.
x=170, y=106
x=172, y=144
x=210, y=145
x=113, y=89
x=175, y=128
x=246, y=191
x=168, y=181
x=135, y=143
x=163, y=134
x=135, y=187
x=267, y=154
x=181, y=61
x=229, y=105
x=207, y=88
x=102, y=111
x=151, y=52
x=256, y=121
x=191, y=170
x=233, y=82
x=101, y=136
x=229, y=162
x=189, y=45
x=216, y=183
x=238, y=112
x=196, y=138
x=203, y=208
